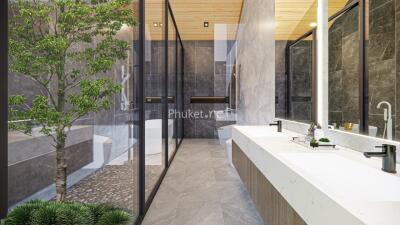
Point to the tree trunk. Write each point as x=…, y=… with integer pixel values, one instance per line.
x=61, y=136
x=61, y=174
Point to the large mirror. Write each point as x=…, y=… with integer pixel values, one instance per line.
x=295, y=52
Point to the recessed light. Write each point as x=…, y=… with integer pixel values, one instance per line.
x=160, y=24
x=313, y=24
x=155, y=24
x=206, y=24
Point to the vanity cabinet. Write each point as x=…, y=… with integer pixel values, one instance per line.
x=273, y=208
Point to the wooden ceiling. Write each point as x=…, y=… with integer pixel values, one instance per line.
x=190, y=16
x=293, y=17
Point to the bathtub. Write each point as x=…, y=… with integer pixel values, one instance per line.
x=153, y=135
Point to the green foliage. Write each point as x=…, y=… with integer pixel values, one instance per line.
x=63, y=45
x=98, y=210
x=114, y=218
x=45, y=215
x=60, y=213
x=325, y=140
x=23, y=214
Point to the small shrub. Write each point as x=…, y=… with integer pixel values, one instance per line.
x=325, y=140
x=114, y=218
x=23, y=214
x=39, y=212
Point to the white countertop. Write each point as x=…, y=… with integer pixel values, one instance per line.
x=325, y=187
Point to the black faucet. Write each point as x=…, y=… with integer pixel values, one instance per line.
x=388, y=155
x=278, y=124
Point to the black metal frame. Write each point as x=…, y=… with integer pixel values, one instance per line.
x=165, y=104
x=176, y=88
x=363, y=65
x=3, y=109
x=143, y=204
x=363, y=70
x=141, y=138
x=182, y=90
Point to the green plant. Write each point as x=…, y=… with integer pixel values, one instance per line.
x=325, y=140
x=63, y=213
x=314, y=143
x=63, y=45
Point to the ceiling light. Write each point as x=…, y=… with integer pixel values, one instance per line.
x=313, y=24
x=160, y=24
x=155, y=24
x=206, y=24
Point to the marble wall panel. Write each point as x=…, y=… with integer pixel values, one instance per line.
x=256, y=62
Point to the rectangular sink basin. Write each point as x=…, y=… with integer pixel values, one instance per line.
x=265, y=132
x=346, y=178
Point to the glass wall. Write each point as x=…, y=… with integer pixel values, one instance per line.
x=344, y=74
x=154, y=92
x=224, y=77
x=172, y=87
x=78, y=89
x=72, y=132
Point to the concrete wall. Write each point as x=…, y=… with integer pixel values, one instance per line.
x=256, y=62
x=28, y=176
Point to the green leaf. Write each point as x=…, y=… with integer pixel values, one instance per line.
x=115, y=217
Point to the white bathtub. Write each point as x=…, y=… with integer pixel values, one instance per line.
x=153, y=135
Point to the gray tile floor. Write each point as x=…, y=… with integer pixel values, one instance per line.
x=201, y=188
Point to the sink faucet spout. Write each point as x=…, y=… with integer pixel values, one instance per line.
x=278, y=124
x=388, y=155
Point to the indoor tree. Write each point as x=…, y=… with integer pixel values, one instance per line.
x=63, y=46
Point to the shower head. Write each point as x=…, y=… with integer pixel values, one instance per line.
x=387, y=112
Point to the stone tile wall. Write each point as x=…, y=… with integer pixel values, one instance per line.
x=203, y=76
x=280, y=79
x=199, y=80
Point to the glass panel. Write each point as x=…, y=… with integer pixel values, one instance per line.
x=225, y=76
x=300, y=77
x=75, y=121
x=383, y=60
x=154, y=91
x=172, y=80
x=293, y=62
x=179, y=94
x=344, y=72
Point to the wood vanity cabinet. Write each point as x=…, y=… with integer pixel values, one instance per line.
x=273, y=208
